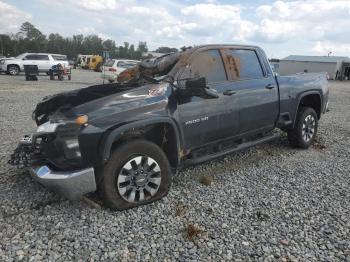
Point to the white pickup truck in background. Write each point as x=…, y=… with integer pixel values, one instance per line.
x=44, y=62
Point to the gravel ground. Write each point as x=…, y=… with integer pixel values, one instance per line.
x=270, y=203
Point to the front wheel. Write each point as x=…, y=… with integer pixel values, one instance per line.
x=305, y=129
x=137, y=173
x=13, y=70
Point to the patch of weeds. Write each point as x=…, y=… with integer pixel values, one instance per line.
x=179, y=209
x=193, y=231
x=210, y=210
x=262, y=216
x=318, y=145
x=206, y=180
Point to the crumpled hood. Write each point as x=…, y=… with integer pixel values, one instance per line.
x=129, y=104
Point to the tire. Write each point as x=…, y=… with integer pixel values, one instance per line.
x=13, y=70
x=305, y=130
x=120, y=181
x=110, y=81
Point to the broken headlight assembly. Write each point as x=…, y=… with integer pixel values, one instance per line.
x=67, y=141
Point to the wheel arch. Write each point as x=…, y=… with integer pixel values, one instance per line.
x=309, y=99
x=161, y=131
x=7, y=67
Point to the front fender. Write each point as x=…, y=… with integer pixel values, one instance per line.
x=108, y=140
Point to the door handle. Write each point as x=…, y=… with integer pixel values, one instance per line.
x=270, y=86
x=229, y=92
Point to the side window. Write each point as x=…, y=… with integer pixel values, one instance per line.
x=43, y=57
x=242, y=64
x=30, y=57
x=208, y=64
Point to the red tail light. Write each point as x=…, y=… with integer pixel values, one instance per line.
x=112, y=69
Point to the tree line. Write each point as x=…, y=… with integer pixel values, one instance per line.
x=31, y=39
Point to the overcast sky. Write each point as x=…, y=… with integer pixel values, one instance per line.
x=305, y=27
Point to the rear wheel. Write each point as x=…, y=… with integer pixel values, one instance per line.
x=305, y=130
x=13, y=70
x=137, y=173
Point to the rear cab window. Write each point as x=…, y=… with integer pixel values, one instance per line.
x=242, y=64
x=207, y=64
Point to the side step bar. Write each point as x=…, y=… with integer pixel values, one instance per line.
x=238, y=148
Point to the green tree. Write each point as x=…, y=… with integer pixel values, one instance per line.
x=31, y=39
x=165, y=50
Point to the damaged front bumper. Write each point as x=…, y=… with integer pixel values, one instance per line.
x=72, y=185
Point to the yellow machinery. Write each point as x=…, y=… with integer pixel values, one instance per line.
x=96, y=63
x=92, y=62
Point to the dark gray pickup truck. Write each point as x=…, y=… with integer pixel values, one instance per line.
x=127, y=139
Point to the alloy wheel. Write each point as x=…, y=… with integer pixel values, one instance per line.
x=139, y=179
x=13, y=70
x=308, y=129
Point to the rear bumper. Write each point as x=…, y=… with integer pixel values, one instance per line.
x=109, y=76
x=72, y=185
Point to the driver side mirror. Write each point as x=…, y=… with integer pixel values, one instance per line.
x=198, y=87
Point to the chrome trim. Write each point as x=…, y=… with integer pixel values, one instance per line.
x=72, y=185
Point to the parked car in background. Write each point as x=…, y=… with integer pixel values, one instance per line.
x=44, y=62
x=2, y=60
x=112, y=68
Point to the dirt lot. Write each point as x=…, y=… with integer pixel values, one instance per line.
x=269, y=203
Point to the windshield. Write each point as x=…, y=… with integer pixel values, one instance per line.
x=150, y=68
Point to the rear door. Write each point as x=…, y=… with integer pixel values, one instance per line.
x=254, y=91
x=43, y=62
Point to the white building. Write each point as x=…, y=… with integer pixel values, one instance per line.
x=337, y=67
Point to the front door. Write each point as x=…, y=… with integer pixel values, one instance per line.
x=205, y=120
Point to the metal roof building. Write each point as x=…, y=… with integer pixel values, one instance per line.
x=337, y=67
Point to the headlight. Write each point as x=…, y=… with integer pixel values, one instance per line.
x=47, y=127
x=72, y=150
x=2, y=62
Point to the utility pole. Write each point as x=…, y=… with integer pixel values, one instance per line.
x=2, y=47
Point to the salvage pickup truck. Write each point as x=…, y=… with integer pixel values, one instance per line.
x=128, y=139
